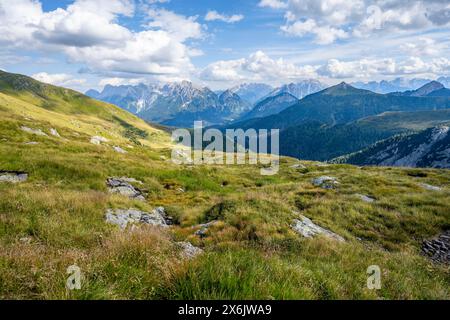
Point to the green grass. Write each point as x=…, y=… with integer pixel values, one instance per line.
x=56, y=219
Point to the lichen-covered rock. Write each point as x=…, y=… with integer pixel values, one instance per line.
x=13, y=176
x=123, y=218
x=188, y=250
x=325, y=182
x=438, y=249
x=37, y=132
x=123, y=187
x=308, y=229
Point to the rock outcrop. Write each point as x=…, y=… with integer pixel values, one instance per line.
x=438, y=249
x=97, y=140
x=123, y=218
x=188, y=250
x=37, y=132
x=308, y=229
x=325, y=182
x=123, y=187
x=13, y=176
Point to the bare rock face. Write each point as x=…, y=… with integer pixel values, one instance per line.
x=13, y=176
x=308, y=229
x=123, y=218
x=188, y=250
x=37, y=132
x=123, y=187
x=438, y=249
x=325, y=182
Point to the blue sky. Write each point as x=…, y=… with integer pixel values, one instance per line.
x=86, y=44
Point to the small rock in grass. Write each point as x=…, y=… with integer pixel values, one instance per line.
x=97, y=140
x=188, y=250
x=119, y=150
x=298, y=166
x=366, y=198
x=429, y=187
x=37, y=132
x=308, y=229
x=55, y=133
x=325, y=182
x=31, y=143
x=13, y=176
x=203, y=231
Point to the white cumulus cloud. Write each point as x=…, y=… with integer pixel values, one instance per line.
x=214, y=16
x=59, y=79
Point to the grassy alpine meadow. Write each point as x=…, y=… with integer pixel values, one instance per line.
x=56, y=218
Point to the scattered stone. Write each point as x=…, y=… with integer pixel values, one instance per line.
x=130, y=180
x=98, y=140
x=181, y=190
x=438, y=249
x=31, y=143
x=188, y=250
x=123, y=187
x=308, y=229
x=203, y=231
x=119, y=150
x=298, y=166
x=322, y=165
x=26, y=240
x=366, y=198
x=122, y=218
x=37, y=132
x=326, y=182
x=54, y=132
x=13, y=176
x=429, y=187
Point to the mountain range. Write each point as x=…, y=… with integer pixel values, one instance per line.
x=180, y=104
x=316, y=122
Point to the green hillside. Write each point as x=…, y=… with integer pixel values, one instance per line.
x=56, y=218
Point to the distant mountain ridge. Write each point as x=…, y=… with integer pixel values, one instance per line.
x=252, y=92
x=300, y=89
x=424, y=91
x=271, y=105
x=175, y=104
